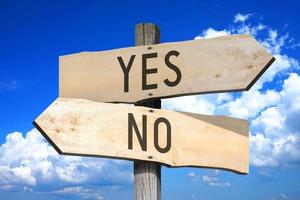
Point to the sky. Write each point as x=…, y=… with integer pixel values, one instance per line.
x=34, y=33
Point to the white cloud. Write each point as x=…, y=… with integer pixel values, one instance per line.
x=190, y=104
x=194, y=197
x=248, y=29
x=282, y=65
x=29, y=162
x=84, y=192
x=211, y=33
x=214, y=181
x=251, y=103
x=274, y=42
x=291, y=93
x=241, y=18
x=223, y=98
x=276, y=141
x=9, y=84
x=284, y=196
x=261, y=151
x=193, y=176
x=271, y=119
x=210, y=180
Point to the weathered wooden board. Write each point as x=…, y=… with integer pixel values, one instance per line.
x=227, y=63
x=83, y=127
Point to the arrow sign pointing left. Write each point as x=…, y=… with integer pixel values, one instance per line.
x=83, y=127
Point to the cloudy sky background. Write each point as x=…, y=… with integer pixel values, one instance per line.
x=33, y=35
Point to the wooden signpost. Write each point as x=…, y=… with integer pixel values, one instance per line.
x=147, y=175
x=81, y=122
x=227, y=63
x=83, y=127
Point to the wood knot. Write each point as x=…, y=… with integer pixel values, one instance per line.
x=52, y=120
x=250, y=66
x=255, y=55
x=73, y=120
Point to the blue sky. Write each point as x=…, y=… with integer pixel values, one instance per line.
x=34, y=33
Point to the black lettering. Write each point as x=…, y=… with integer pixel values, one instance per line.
x=146, y=71
x=174, y=68
x=126, y=70
x=168, y=126
x=142, y=139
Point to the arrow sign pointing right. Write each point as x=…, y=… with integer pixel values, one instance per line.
x=223, y=64
x=83, y=127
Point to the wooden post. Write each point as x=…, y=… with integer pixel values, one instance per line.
x=147, y=175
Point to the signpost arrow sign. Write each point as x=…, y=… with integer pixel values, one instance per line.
x=227, y=63
x=84, y=127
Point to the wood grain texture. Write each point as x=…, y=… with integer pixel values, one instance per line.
x=83, y=127
x=147, y=175
x=147, y=180
x=227, y=63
